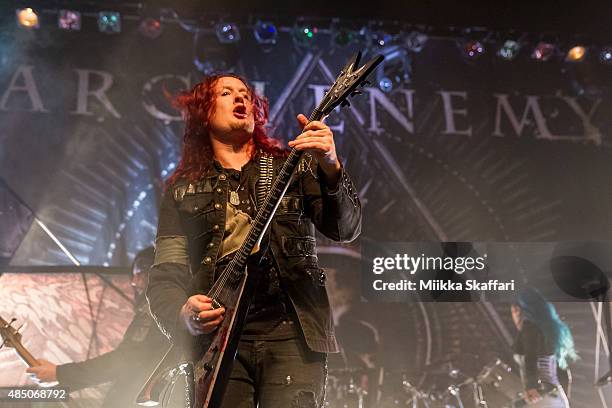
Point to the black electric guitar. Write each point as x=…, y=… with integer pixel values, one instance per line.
x=235, y=287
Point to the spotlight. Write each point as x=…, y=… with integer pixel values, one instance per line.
x=381, y=39
x=509, y=50
x=304, y=34
x=343, y=36
x=26, y=17
x=605, y=56
x=265, y=33
x=109, y=22
x=415, y=41
x=150, y=27
x=69, y=20
x=227, y=33
x=576, y=54
x=396, y=70
x=385, y=84
x=543, y=51
x=473, y=49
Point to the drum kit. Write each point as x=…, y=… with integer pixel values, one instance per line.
x=495, y=386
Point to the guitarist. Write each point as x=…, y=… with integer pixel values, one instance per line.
x=204, y=217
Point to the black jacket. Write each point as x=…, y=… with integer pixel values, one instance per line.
x=538, y=362
x=191, y=225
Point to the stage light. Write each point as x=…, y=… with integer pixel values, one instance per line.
x=150, y=27
x=395, y=72
x=473, y=49
x=227, y=33
x=304, y=34
x=576, y=54
x=265, y=33
x=69, y=20
x=381, y=39
x=385, y=84
x=605, y=56
x=509, y=50
x=109, y=22
x=343, y=36
x=26, y=17
x=543, y=51
x=415, y=41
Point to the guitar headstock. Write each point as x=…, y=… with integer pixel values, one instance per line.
x=351, y=77
x=10, y=335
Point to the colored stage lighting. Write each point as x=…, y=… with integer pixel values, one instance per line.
x=473, y=49
x=304, y=34
x=343, y=36
x=109, y=22
x=27, y=18
x=227, y=33
x=69, y=20
x=265, y=33
x=605, y=55
x=150, y=27
x=543, y=51
x=509, y=50
x=576, y=54
x=381, y=39
x=385, y=84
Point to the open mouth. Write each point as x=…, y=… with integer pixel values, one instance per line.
x=240, y=112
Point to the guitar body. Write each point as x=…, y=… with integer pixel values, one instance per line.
x=210, y=371
x=213, y=370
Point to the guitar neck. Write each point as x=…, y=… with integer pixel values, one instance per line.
x=25, y=355
x=13, y=339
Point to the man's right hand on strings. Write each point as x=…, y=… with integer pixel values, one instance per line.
x=199, y=316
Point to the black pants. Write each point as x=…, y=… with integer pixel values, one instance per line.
x=276, y=374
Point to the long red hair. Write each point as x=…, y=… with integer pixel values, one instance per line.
x=197, y=106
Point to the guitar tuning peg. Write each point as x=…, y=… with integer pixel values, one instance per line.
x=365, y=83
x=356, y=92
x=345, y=103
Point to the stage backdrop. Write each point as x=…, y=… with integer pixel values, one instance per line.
x=454, y=150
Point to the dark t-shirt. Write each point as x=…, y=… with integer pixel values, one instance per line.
x=271, y=315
